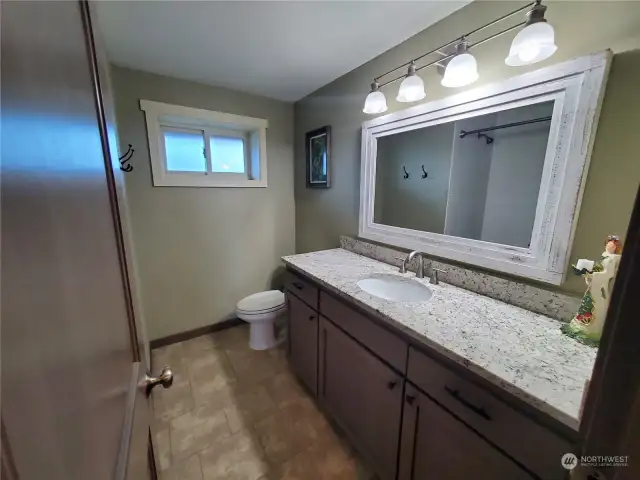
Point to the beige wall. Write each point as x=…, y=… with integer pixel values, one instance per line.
x=415, y=202
x=517, y=160
x=200, y=250
x=581, y=28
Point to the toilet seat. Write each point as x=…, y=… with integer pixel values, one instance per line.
x=262, y=302
x=261, y=312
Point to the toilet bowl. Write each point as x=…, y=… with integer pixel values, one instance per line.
x=260, y=310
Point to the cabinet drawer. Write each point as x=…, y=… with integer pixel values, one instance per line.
x=302, y=289
x=380, y=341
x=533, y=445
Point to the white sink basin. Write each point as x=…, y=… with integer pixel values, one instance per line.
x=398, y=289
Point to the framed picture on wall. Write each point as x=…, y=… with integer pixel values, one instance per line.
x=318, y=144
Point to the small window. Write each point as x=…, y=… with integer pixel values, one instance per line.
x=227, y=154
x=184, y=150
x=199, y=148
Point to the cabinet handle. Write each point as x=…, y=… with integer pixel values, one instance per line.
x=410, y=399
x=298, y=285
x=392, y=384
x=474, y=408
x=312, y=317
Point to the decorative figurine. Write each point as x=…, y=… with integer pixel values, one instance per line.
x=586, y=326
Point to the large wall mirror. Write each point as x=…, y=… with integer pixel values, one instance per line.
x=492, y=176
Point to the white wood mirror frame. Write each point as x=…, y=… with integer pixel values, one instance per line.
x=577, y=88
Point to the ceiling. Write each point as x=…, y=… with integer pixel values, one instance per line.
x=281, y=49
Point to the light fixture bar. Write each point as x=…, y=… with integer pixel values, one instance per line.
x=496, y=35
x=487, y=25
x=444, y=59
x=404, y=65
x=504, y=17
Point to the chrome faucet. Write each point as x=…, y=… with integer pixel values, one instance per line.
x=420, y=270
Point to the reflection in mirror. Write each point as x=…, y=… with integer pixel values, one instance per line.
x=482, y=179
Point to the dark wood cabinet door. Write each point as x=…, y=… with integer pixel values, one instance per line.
x=303, y=342
x=437, y=445
x=364, y=396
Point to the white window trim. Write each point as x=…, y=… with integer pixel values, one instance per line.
x=252, y=130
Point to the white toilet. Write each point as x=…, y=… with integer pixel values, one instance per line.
x=261, y=310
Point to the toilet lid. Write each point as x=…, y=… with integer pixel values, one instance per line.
x=268, y=300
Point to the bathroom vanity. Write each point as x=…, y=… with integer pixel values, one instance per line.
x=430, y=380
x=457, y=386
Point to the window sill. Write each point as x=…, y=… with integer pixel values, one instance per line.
x=208, y=182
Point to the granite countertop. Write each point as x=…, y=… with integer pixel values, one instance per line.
x=520, y=351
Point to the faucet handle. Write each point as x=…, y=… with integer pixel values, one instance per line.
x=403, y=264
x=434, y=275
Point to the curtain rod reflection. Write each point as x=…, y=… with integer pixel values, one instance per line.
x=464, y=133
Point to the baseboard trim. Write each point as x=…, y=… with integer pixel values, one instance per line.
x=196, y=332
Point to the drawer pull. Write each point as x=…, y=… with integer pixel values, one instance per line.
x=474, y=408
x=298, y=285
x=410, y=399
x=392, y=384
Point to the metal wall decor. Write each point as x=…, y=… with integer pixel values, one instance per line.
x=124, y=159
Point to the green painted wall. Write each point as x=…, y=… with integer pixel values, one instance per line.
x=581, y=28
x=200, y=250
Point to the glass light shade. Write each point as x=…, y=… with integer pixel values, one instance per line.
x=532, y=44
x=411, y=89
x=375, y=103
x=462, y=70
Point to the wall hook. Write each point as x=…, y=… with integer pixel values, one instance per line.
x=425, y=174
x=406, y=174
x=124, y=166
x=488, y=139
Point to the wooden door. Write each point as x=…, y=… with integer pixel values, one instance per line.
x=73, y=373
x=303, y=342
x=363, y=394
x=437, y=445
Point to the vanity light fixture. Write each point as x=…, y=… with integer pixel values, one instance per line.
x=462, y=70
x=376, y=101
x=534, y=43
x=412, y=87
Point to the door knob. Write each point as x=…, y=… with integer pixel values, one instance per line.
x=165, y=379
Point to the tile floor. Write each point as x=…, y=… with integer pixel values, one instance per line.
x=237, y=414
